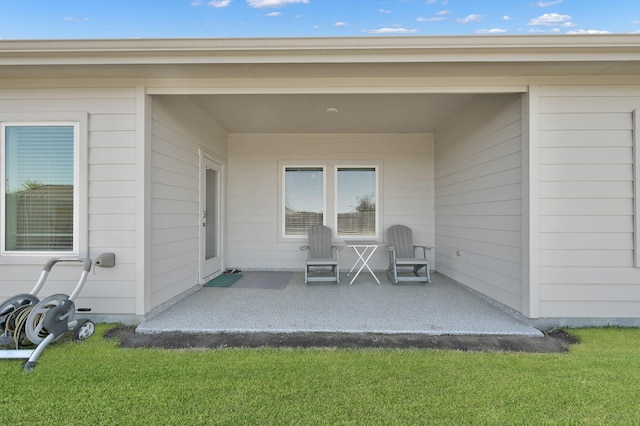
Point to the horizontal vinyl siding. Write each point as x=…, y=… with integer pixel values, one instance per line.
x=406, y=191
x=178, y=130
x=478, y=198
x=586, y=202
x=111, y=189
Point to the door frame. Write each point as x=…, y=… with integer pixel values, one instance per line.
x=205, y=159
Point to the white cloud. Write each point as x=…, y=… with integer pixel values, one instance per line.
x=274, y=14
x=589, y=32
x=550, y=20
x=541, y=31
x=506, y=18
x=384, y=11
x=491, y=31
x=387, y=30
x=432, y=19
x=470, y=18
x=273, y=3
x=340, y=24
x=196, y=2
x=440, y=16
x=548, y=3
x=72, y=19
x=219, y=3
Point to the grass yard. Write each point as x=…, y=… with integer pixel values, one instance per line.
x=94, y=382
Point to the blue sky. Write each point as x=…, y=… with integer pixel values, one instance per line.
x=91, y=19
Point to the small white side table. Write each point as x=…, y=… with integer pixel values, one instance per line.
x=364, y=249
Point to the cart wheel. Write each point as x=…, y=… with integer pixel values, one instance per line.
x=35, y=325
x=85, y=330
x=11, y=304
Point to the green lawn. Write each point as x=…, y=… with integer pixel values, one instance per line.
x=94, y=382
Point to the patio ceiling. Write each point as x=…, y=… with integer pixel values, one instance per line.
x=316, y=113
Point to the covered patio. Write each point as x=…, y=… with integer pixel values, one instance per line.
x=442, y=307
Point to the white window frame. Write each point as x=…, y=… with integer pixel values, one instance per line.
x=330, y=216
x=377, y=234
x=79, y=122
x=636, y=186
x=281, y=215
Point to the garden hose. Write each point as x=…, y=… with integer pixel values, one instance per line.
x=17, y=324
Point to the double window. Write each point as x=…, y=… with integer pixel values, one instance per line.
x=342, y=197
x=39, y=183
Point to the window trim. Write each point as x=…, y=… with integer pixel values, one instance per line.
x=635, y=115
x=330, y=217
x=282, y=191
x=376, y=168
x=79, y=121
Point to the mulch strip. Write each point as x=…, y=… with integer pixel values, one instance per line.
x=552, y=342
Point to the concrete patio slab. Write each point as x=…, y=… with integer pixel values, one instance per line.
x=442, y=307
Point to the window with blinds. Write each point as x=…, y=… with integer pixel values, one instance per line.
x=356, y=201
x=346, y=198
x=303, y=199
x=38, y=172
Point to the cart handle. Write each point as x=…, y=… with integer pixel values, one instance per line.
x=86, y=263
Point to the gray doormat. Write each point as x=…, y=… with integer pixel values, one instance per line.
x=266, y=279
x=224, y=280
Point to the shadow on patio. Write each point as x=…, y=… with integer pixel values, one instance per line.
x=440, y=308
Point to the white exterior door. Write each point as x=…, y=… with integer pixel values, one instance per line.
x=210, y=217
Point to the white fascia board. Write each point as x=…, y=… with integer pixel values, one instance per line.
x=459, y=49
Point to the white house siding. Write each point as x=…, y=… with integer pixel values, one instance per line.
x=111, y=108
x=179, y=129
x=586, y=202
x=255, y=161
x=478, y=198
